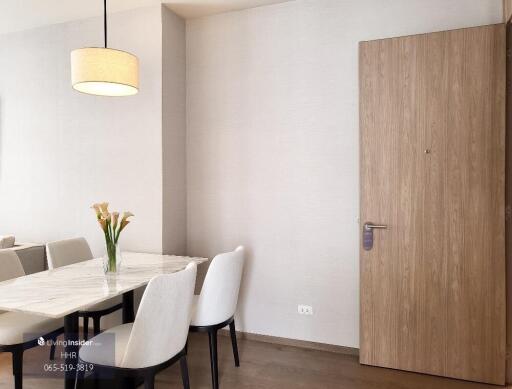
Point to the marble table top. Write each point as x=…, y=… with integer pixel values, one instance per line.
x=59, y=292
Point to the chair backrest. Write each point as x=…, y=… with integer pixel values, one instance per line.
x=161, y=326
x=219, y=294
x=10, y=265
x=67, y=252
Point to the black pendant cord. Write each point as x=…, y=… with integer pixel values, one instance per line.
x=105, y=20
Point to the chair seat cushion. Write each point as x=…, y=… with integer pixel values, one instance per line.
x=104, y=304
x=107, y=348
x=16, y=328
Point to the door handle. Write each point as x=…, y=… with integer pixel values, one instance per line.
x=371, y=226
x=368, y=234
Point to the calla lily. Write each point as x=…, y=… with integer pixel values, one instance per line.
x=97, y=209
x=126, y=215
x=104, y=210
x=112, y=225
x=103, y=224
x=115, y=218
x=124, y=223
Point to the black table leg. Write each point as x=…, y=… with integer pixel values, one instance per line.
x=128, y=311
x=71, y=350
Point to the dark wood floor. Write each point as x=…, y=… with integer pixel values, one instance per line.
x=263, y=365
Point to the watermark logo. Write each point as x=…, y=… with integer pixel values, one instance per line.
x=64, y=343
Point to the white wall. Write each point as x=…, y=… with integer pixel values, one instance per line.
x=61, y=151
x=272, y=144
x=272, y=140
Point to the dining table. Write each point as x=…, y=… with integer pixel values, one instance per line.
x=65, y=291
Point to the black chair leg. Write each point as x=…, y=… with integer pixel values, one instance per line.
x=96, y=324
x=149, y=381
x=80, y=374
x=86, y=327
x=232, y=331
x=52, y=350
x=129, y=383
x=212, y=334
x=184, y=372
x=95, y=379
x=17, y=368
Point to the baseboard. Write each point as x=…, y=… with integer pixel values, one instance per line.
x=295, y=343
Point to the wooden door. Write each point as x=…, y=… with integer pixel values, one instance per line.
x=432, y=125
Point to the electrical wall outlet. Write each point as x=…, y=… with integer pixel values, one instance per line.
x=305, y=309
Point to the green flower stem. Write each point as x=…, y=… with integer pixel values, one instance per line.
x=111, y=249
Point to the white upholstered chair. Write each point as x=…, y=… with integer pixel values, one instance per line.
x=67, y=252
x=215, y=307
x=20, y=331
x=155, y=340
x=70, y=251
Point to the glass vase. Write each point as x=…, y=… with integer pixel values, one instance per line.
x=112, y=258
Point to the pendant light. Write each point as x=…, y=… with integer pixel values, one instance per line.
x=103, y=71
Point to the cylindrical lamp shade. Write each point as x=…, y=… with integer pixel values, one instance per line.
x=104, y=72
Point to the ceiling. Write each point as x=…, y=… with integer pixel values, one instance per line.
x=17, y=15
x=189, y=9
